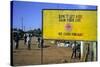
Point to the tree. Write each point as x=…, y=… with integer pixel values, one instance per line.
x=37, y=32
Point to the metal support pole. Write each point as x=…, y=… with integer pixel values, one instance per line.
x=81, y=49
x=42, y=50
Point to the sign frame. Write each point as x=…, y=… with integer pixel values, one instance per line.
x=71, y=10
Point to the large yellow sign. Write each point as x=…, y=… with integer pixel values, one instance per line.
x=70, y=24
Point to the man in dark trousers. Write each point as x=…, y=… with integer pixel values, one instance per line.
x=25, y=38
x=16, y=41
x=42, y=42
x=29, y=42
x=39, y=42
x=78, y=51
x=74, y=50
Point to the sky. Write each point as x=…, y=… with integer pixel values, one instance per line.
x=30, y=13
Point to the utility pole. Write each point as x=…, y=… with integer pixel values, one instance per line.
x=22, y=22
x=24, y=29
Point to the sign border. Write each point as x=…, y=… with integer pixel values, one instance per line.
x=71, y=10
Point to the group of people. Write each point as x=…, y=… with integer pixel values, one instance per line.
x=27, y=40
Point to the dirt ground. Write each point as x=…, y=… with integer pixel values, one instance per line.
x=51, y=54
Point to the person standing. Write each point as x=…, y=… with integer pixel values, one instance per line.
x=74, y=50
x=42, y=42
x=78, y=51
x=25, y=39
x=16, y=41
x=39, y=41
x=28, y=41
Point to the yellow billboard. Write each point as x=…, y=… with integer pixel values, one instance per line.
x=70, y=24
